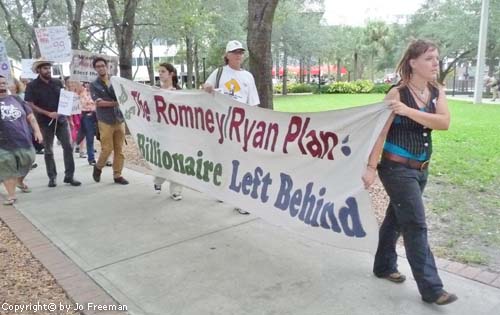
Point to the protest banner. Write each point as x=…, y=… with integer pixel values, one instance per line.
x=27, y=73
x=54, y=43
x=5, y=70
x=66, y=103
x=81, y=66
x=301, y=171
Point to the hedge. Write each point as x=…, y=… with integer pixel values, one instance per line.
x=355, y=87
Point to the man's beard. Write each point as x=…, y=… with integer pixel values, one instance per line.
x=47, y=76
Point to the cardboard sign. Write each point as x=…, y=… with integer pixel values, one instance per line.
x=54, y=43
x=66, y=103
x=81, y=68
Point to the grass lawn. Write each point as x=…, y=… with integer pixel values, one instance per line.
x=463, y=197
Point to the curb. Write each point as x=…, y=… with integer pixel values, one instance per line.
x=465, y=271
x=75, y=282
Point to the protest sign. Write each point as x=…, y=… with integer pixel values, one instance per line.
x=301, y=171
x=66, y=103
x=5, y=70
x=27, y=73
x=81, y=68
x=54, y=43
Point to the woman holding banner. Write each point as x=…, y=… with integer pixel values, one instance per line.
x=16, y=149
x=419, y=105
x=168, y=81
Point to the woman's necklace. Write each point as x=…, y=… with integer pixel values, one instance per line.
x=420, y=95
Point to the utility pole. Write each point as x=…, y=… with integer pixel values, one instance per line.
x=481, y=52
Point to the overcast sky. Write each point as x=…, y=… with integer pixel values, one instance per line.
x=355, y=12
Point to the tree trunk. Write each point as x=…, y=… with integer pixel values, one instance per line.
x=196, y=66
x=260, y=24
x=277, y=65
x=189, y=61
x=308, y=69
x=339, y=70
x=75, y=19
x=124, y=33
x=16, y=40
x=372, y=67
x=150, y=63
x=284, y=89
x=301, y=70
x=355, y=67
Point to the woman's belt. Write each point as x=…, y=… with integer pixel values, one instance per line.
x=418, y=165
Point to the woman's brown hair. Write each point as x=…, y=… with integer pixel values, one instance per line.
x=170, y=68
x=415, y=49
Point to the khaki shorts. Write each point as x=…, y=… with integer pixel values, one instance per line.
x=16, y=163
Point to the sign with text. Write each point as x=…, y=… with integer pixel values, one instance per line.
x=69, y=103
x=27, y=73
x=54, y=43
x=81, y=68
x=301, y=171
x=4, y=61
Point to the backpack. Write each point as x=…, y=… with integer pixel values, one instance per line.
x=217, y=78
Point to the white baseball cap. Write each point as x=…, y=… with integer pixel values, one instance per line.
x=234, y=45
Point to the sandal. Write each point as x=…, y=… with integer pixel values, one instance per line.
x=446, y=298
x=24, y=188
x=9, y=202
x=395, y=277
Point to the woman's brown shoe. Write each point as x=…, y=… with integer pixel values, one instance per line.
x=446, y=298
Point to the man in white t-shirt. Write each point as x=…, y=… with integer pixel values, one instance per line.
x=231, y=79
x=234, y=81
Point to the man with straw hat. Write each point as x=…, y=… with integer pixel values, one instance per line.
x=42, y=94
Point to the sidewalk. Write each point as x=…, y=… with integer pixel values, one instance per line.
x=197, y=256
x=470, y=98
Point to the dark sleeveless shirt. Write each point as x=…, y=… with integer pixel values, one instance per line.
x=408, y=134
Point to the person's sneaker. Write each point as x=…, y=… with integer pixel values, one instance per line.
x=40, y=151
x=120, y=180
x=83, y=155
x=157, y=188
x=108, y=163
x=176, y=197
x=446, y=298
x=34, y=165
x=96, y=174
x=52, y=183
x=71, y=181
x=92, y=162
x=241, y=211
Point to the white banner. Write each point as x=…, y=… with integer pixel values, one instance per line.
x=27, y=73
x=301, y=171
x=81, y=68
x=4, y=61
x=54, y=43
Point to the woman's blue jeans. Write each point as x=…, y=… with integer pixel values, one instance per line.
x=406, y=216
x=87, y=130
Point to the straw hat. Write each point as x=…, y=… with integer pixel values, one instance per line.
x=40, y=62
